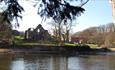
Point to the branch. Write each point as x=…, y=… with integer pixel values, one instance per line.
x=84, y=3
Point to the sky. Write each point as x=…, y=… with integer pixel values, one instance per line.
x=97, y=12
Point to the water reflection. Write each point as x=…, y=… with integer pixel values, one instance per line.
x=33, y=62
x=18, y=64
x=97, y=62
x=59, y=63
x=5, y=61
x=45, y=62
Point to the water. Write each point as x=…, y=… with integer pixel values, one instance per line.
x=54, y=62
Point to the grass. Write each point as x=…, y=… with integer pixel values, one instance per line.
x=27, y=43
x=19, y=37
x=19, y=41
x=70, y=44
x=93, y=45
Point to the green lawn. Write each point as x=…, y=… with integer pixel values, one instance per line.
x=70, y=44
x=19, y=41
x=19, y=37
x=93, y=45
x=28, y=43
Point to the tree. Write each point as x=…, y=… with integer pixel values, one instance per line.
x=61, y=12
x=5, y=31
x=102, y=35
x=64, y=30
x=57, y=9
x=110, y=27
x=12, y=12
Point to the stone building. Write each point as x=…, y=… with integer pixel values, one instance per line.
x=37, y=34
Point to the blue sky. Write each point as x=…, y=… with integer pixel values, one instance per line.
x=98, y=12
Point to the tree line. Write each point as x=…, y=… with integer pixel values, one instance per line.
x=102, y=35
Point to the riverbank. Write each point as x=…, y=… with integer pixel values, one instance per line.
x=2, y=50
x=64, y=50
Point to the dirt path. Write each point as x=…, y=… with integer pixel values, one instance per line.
x=112, y=49
x=4, y=50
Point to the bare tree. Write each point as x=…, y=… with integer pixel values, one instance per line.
x=110, y=27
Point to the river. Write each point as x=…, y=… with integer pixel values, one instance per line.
x=56, y=62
